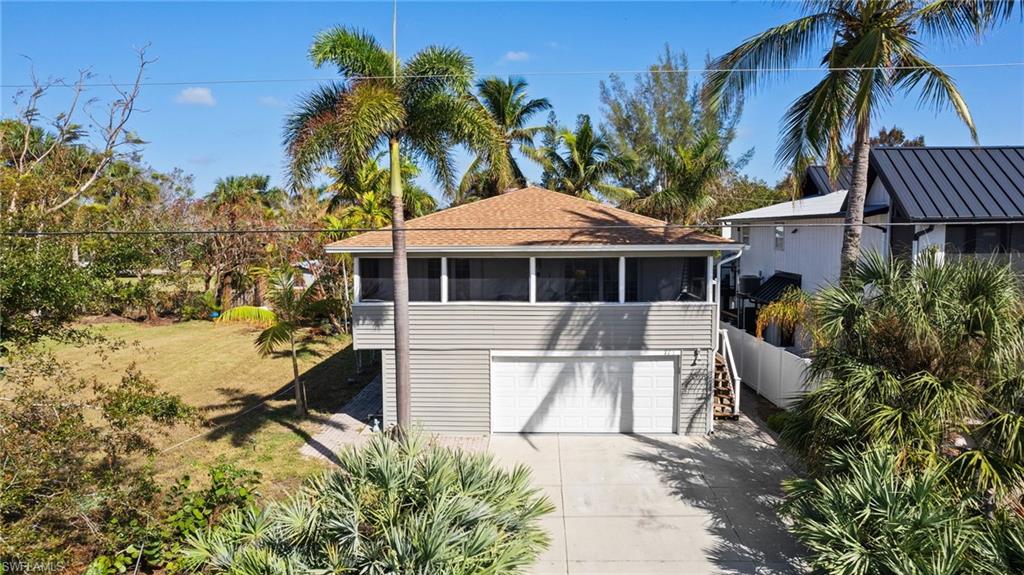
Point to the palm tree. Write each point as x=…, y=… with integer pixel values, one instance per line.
x=369, y=181
x=508, y=105
x=253, y=190
x=580, y=162
x=422, y=107
x=290, y=306
x=687, y=178
x=871, y=52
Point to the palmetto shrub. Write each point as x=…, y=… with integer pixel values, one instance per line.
x=869, y=515
x=396, y=505
x=927, y=358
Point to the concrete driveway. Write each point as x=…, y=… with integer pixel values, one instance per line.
x=634, y=504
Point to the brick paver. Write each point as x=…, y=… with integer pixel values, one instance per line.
x=349, y=427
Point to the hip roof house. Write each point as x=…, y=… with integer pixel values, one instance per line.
x=535, y=311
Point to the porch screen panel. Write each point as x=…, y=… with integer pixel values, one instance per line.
x=578, y=279
x=490, y=279
x=666, y=279
x=377, y=284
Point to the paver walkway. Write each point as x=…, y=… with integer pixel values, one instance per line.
x=349, y=427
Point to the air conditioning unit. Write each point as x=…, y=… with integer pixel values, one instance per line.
x=748, y=284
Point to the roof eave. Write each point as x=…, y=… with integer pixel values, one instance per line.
x=559, y=248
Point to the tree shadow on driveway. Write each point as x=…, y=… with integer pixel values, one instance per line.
x=734, y=476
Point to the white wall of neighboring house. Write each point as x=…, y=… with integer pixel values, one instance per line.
x=936, y=237
x=809, y=248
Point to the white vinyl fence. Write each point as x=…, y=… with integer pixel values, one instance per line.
x=773, y=372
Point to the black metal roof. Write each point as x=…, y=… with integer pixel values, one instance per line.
x=818, y=182
x=953, y=183
x=776, y=285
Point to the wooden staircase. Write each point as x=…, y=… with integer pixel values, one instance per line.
x=725, y=401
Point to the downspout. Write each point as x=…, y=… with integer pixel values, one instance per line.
x=717, y=294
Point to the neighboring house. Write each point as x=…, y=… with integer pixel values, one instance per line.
x=955, y=200
x=535, y=311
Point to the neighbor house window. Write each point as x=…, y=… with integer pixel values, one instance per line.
x=376, y=279
x=984, y=239
x=780, y=237
x=666, y=279
x=491, y=279
x=578, y=279
x=743, y=234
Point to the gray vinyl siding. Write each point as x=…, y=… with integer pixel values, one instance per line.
x=452, y=391
x=695, y=385
x=451, y=344
x=540, y=327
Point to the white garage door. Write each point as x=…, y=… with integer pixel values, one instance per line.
x=583, y=394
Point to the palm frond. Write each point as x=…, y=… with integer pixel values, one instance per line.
x=312, y=130
x=741, y=70
x=249, y=314
x=938, y=91
x=274, y=337
x=355, y=53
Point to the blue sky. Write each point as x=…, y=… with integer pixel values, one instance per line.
x=214, y=130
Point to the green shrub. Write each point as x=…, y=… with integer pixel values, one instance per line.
x=183, y=512
x=777, y=421
x=73, y=480
x=870, y=514
x=393, y=506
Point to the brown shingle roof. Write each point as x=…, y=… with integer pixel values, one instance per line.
x=568, y=221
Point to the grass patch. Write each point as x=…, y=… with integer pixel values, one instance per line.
x=216, y=369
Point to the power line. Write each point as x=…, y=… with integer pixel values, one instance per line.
x=597, y=228
x=527, y=74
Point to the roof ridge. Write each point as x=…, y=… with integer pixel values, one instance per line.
x=451, y=209
x=532, y=187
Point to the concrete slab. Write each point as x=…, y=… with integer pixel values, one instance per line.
x=651, y=504
x=644, y=500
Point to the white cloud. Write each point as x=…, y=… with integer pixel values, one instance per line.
x=271, y=102
x=515, y=56
x=196, y=97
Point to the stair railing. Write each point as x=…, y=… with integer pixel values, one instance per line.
x=733, y=373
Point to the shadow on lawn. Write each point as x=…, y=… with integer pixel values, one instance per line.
x=327, y=389
x=734, y=476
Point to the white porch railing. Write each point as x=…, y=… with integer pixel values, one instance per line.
x=776, y=374
x=730, y=361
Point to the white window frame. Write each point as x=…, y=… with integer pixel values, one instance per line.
x=780, y=237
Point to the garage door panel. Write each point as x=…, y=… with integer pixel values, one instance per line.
x=595, y=395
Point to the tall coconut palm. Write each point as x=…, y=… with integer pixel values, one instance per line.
x=511, y=109
x=581, y=162
x=688, y=176
x=871, y=52
x=289, y=307
x=421, y=106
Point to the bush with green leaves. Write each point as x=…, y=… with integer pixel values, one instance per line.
x=395, y=505
x=73, y=474
x=928, y=358
x=872, y=514
x=183, y=511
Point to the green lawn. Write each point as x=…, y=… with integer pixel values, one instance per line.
x=216, y=369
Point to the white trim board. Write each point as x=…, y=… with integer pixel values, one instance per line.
x=588, y=353
x=616, y=248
